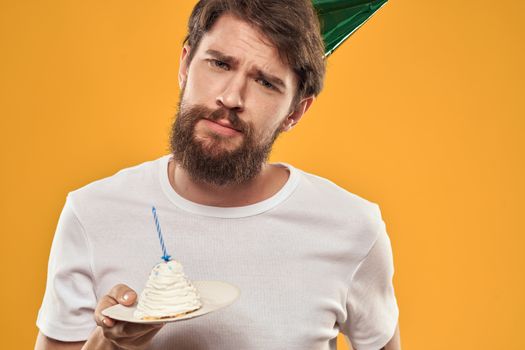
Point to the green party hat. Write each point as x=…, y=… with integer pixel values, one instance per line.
x=340, y=18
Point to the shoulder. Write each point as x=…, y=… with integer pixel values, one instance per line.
x=124, y=177
x=346, y=216
x=330, y=194
x=341, y=212
x=124, y=185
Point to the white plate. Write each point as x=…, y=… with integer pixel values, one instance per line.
x=214, y=295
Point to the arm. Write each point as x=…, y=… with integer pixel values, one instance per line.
x=95, y=341
x=45, y=343
x=395, y=342
x=109, y=334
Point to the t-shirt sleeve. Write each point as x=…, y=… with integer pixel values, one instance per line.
x=69, y=301
x=372, y=311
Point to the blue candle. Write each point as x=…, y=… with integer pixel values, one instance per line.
x=165, y=255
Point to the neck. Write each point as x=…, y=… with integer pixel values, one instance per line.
x=268, y=182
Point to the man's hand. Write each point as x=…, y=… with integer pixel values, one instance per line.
x=113, y=334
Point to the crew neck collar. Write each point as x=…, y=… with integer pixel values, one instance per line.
x=227, y=212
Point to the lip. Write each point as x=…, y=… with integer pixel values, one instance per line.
x=221, y=127
x=225, y=123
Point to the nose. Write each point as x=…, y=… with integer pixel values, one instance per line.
x=232, y=96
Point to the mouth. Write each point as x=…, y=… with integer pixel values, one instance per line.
x=226, y=124
x=222, y=127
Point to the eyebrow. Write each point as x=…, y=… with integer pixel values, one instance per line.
x=225, y=58
x=234, y=62
x=271, y=78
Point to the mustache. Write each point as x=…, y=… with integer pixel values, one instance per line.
x=230, y=115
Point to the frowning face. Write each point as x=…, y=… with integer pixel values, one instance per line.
x=236, y=98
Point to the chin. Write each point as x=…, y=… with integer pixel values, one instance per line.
x=215, y=149
x=211, y=142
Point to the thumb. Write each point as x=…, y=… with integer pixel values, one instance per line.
x=128, y=298
x=123, y=294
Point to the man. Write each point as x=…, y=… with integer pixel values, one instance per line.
x=310, y=258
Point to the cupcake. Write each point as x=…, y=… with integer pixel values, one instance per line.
x=168, y=293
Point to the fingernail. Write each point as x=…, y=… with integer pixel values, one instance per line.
x=104, y=320
x=125, y=297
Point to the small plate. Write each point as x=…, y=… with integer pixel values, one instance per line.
x=214, y=295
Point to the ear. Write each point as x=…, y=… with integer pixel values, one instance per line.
x=184, y=65
x=294, y=117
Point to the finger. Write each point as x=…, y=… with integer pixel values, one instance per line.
x=123, y=294
x=108, y=322
x=137, y=338
x=138, y=329
x=124, y=331
x=101, y=320
x=146, y=337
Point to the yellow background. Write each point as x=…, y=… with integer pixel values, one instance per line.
x=422, y=112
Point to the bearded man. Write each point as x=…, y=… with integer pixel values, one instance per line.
x=310, y=258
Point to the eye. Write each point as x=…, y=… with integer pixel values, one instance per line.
x=219, y=64
x=266, y=84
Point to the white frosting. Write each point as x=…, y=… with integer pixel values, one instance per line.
x=168, y=292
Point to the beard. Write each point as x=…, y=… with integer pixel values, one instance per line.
x=208, y=160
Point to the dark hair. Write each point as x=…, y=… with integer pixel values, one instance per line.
x=292, y=27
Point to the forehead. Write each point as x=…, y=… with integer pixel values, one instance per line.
x=235, y=37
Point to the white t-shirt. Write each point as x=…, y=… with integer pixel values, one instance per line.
x=310, y=261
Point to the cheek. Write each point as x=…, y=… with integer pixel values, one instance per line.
x=269, y=103
x=200, y=88
x=271, y=111
x=267, y=121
